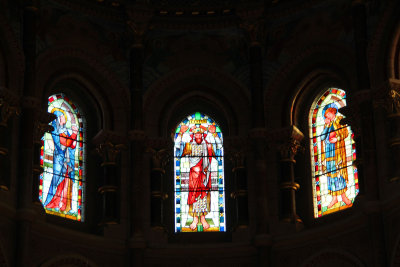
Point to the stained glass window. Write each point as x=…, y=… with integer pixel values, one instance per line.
x=334, y=178
x=62, y=157
x=199, y=176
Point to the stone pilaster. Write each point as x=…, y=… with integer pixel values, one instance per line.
x=289, y=139
x=362, y=118
x=393, y=115
x=9, y=108
x=161, y=154
x=138, y=22
x=236, y=151
x=29, y=104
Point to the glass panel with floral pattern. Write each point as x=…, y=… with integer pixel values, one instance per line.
x=332, y=149
x=62, y=183
x=199, y=176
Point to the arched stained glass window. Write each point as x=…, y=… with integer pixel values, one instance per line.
x=199, y=176
x=62, y=182
x=335, y=179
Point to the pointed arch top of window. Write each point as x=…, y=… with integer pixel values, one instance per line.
x=332, y=150
x=199, y=175
x=62, y=183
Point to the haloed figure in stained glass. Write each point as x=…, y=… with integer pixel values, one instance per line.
x=197, y=146
x=334, y=157
x=60, y=190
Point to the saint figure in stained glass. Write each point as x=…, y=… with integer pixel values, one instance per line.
x=199, y=189
x=61, y=158
x=335, y=179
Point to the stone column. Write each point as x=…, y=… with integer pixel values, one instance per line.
x=30, y=104
x=9, y=107
x=393, y=111
x=362, y=118
x=254, y=25
x=108, y=147
x=235, y=151
x=139, y=17
x=161, y=154
x=290, y=139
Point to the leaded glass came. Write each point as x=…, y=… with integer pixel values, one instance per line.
x=62, y=158
x=199, y=176
x=332, y=149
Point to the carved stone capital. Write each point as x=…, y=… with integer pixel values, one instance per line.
x=9, y=105
x=254, y=25
x=159, y=158
x=392, y=97
x=104, y=136
x=289, y=149
x=139, y=23
x=109, y=152
x=7, y=111
x=289, y=140
x=109, y=146
x=235, y=149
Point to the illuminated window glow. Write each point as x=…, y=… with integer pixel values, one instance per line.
x=199, y=176
x=62, y=158
x=334, y=178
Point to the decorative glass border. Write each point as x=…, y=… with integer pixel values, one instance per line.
x=211, y=133
x=60, y=104
x=323, y=194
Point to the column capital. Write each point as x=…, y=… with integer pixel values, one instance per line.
x=139, y=22
x=254, y=24
x=161, y=151
x=9, y=104
x=109, y=145
x=236, y=149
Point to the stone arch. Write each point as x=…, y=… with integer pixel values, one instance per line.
x=68, y=261
x=331, y=258
x=98, y=84
x=11, y=57
x=316, y=65
x=380, y=48
x=171, y=98
x=394, y=56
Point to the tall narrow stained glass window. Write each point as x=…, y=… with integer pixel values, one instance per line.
x=335, y=179
x=199, y=176
x=62, y=182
